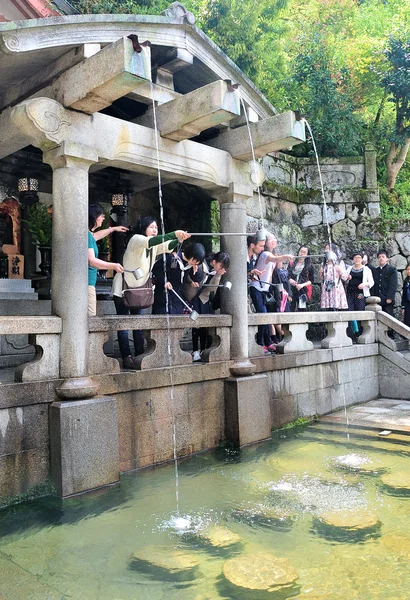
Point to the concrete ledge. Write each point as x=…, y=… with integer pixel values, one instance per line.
x=9, y=326
x=23, y=394
x=310, y=317
x=117, y=323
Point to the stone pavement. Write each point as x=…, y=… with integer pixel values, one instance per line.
x=384, y=413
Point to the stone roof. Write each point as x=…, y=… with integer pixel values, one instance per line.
x=30, y=46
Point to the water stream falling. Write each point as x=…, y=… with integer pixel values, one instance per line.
x=172, y=392
x=329, y=235
x=254, y=163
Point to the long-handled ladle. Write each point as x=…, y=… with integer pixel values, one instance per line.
x=192, y=313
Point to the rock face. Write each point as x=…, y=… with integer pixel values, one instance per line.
x=261, y=571
x=165, y=563
x=396, y=484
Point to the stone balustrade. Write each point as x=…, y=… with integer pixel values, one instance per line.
x=156, y=329
x=297, y=324
x=385, y=323
x=44, y=334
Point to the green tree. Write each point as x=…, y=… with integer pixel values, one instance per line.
x=324, y=93
x=136, y=7
x=396, y=83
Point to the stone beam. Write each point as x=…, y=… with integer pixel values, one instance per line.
x=165, y=72
x=269, y=135
x=39, y=79
x=44, y=123
x=147, y=92
x=110, y=74
x=192, y=113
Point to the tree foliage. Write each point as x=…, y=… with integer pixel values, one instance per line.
x=396, y=83
x=333, y=59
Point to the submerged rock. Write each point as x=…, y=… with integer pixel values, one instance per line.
x=396, y=484
x=219, y=537
x=165, y=563
x=358, y=463
x=344, y=524
x=264, y=516
x=261, y=571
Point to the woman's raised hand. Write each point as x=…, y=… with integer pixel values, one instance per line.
x=182, y=235
x=117, y=267
x=120, y=229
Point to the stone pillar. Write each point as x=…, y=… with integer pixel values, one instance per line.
x=233, y=219
x=370, y=166
x=247, y=398
x=69, y=286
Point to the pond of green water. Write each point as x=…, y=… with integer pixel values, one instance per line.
x=309, y=515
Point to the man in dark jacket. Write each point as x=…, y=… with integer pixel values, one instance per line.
x=385, y=282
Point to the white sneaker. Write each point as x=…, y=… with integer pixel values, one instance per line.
x=196, y=356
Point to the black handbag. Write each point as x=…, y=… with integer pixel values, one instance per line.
x=139, y=297
x=269, y=299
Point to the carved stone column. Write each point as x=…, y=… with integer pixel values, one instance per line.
x=246, y=395
x=233, y=219
x=69, y=286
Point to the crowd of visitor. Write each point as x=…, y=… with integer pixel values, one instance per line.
x=161, y=274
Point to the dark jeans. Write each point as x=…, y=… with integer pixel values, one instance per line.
x=123, y=340
x=263, y=336
x=199, y=335
x=388, y=308
x=355, y=303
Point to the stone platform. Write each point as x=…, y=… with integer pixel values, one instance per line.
x=383, y=414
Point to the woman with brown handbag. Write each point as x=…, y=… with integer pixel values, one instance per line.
x=142, y=251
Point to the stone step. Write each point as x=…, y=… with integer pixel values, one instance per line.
x=402, y=345
x=364, y=439
x=368, y=429
x=406, y=354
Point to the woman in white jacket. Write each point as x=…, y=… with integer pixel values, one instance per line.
x=360, y=280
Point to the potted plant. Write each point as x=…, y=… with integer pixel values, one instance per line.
x=39, y=225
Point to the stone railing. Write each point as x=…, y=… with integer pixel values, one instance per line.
x=155, y=330
x=386, y=323
x=297, y=324
x=44, y=335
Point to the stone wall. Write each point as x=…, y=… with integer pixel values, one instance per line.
x=300, y=385
x=293, y=209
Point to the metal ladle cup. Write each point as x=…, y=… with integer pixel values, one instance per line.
x=138, y=273
x=227, y=285
x=192, y=313
x=261, y=235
